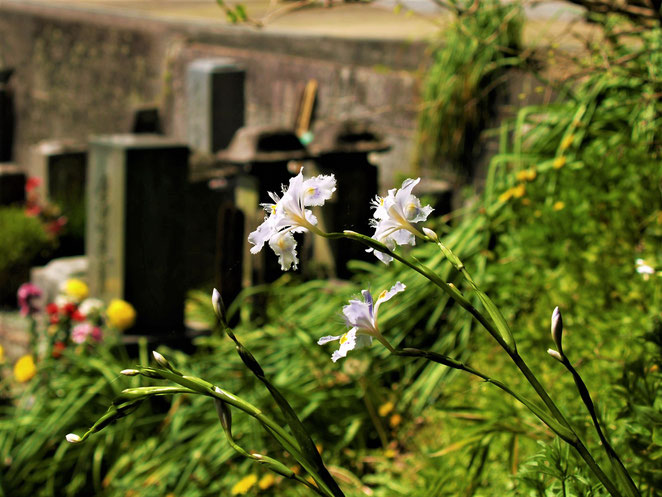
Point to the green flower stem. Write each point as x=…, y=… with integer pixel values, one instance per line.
x=273, y=464
x=487, y=302
x=284, y=438
x=579, y=445
x=305, y=442
x=545, y=417
x=455, y=294
x=616, y=462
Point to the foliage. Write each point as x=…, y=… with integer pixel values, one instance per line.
x=23, y=238
x=459, y=89
x=545, y=232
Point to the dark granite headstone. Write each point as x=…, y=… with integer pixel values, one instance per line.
x=62, y=167
x=6, y=116
x=12, y=184
x=262, y=154
x=215, y=100
x=342, y=149
x=135, y=226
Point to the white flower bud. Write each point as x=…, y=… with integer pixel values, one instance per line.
x=555, y=355
x=430, y=234
x=72, y=438
x=217, y=303
x=557, y=330
x=130, y=372
x=160, y=360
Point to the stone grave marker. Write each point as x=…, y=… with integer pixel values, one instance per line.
x=6, y=116
x=62, y=167
x=215, y=101
x=12, y=184
x=136, y=224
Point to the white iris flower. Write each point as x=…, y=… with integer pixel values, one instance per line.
x=361, y=317
x=288, y=215
x=395, y=216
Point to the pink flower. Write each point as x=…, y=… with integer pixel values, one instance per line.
x=27, y=294
x=82, y=331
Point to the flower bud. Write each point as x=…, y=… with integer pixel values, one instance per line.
x=555, y=355
x=219, y=307
x=557, y=330
x=161, y=361
x=130, y=372
x=72, y=438
x=430, y=234
x=224, y=413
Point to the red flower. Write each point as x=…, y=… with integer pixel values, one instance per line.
x=54, y=319
x=69, y=309
x=58, y=347
x=32, y=210
x=51, y=308
x=54, y=227
x=32, y=183
x=78, y=316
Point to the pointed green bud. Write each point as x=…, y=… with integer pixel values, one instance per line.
x=164, y=363
x=160, y=360
x=557, y=330
x=274, y=465
x=219, y=307
x=224, y=414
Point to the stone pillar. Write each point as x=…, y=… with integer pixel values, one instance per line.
x=215, y=100
x=135, y=226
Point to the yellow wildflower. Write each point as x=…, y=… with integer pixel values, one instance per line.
x=559, y=205
x=24, y=369
x=567, y=141
x=505, y=196
x=121, y=314
x=559, y=162
x=2, y=355
x=244, y=485
x=266, y=481
x=519, y=191
x=531, y=174
x=76, y=289
x=395, y=420
x=384, y=409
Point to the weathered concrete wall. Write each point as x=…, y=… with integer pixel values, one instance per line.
x=80, y=73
